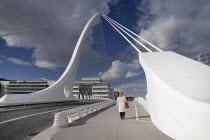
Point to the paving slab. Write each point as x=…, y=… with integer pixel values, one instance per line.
x=107, y=125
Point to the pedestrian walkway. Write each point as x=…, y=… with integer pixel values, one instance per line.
x=107, y=125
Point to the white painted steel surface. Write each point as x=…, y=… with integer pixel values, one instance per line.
x=62, y=88
x=178, y=95
x=64, y=118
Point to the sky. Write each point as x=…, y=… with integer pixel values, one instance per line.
x=181, y=26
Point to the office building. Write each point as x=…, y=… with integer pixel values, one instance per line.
x=93, y=88
x=24, y=87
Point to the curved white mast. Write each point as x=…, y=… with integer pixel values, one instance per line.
x=62, y=88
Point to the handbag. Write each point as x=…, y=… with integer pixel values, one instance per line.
x=126, y=105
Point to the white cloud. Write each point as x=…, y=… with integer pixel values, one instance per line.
x=181, y=26
x=43, y=79
x=131, y=74
x=120, y=69
x=45, y=64
x=53, y=46
x=18, y=61
x=137, y=88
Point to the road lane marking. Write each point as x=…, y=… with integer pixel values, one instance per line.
x=136, y=112
x=144, y=121
x=18, y=118
x=137, y=115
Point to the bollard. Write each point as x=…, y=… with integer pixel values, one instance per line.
x=60, y=120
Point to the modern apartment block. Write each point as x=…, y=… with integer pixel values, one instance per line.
x=203, y=58
x=93, y=88
x=24, y=87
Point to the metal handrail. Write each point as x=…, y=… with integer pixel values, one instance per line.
x=49, y=102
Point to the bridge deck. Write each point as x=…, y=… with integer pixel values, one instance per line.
x=107, y=125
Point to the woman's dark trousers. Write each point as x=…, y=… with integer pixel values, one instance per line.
x=122, y=115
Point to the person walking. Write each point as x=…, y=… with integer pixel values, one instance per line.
x=121, y=105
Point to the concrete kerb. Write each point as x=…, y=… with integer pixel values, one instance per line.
x=62, y=119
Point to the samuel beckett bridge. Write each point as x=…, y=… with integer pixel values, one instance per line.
x=176, y=105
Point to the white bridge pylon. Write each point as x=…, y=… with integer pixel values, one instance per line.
x=178, y=91
x=61, y=90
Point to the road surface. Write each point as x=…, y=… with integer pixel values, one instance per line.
x=25, y=123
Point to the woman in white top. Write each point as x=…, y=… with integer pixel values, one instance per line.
x=121, y=105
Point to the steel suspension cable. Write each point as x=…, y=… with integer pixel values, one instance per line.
x=134, y=34
x=39, y=27
x=122, y=35
x=131, y=36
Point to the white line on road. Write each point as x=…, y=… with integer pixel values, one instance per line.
x=136, y=112
x=138, y=115
x=144, y=121
x=18, y=118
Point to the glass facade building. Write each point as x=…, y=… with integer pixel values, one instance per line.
x=23, y=87
x=203, y=58
x=93, y=88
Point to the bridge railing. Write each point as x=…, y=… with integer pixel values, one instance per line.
x=62, y=119
x=49, y=103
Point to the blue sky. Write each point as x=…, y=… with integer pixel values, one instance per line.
x=45, y=53
x=11, y=70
